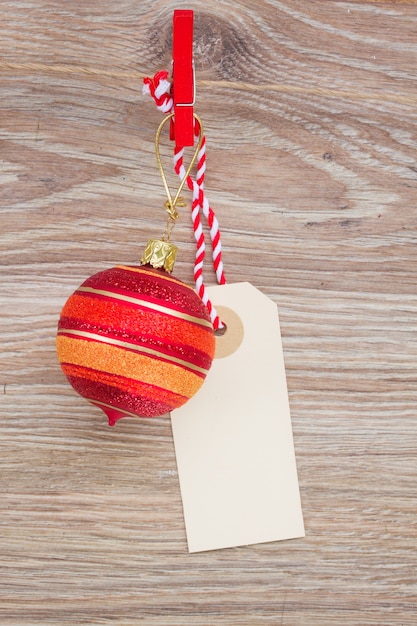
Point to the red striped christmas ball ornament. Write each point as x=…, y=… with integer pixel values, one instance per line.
x=135, y=341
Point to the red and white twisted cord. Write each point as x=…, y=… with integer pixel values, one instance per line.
x=159, y=89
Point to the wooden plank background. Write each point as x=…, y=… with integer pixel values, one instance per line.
x=310, y=113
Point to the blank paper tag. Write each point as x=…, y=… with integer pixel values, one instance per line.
x=233, y=439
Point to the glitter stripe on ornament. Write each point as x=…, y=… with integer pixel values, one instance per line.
x=119, y=403
x=102, y=312
x=153, y=286
x=104, y=405
x=123, y=383
x=116, y=360
x=147, y=271
x=147, y=400
x=112, y=413
x=156, y=344
x=141, y=302
x=82, y=334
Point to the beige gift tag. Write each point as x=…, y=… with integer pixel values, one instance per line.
x=233, y=439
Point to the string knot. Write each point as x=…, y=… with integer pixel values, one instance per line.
x=159, y=89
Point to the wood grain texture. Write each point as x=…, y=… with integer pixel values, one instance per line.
x=310, y=112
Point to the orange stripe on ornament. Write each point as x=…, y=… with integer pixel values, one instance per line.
x=128, y=345
x=115, y=360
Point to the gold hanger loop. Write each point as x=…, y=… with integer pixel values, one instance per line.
x=172, y=203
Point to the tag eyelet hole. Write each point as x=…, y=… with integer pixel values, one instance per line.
x=229, y=338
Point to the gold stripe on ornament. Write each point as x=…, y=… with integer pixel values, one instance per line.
x=148, y=305
x=99, y=404
x=131, y=346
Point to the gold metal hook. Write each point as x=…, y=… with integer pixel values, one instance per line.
x=172, y=203
x=161, y=253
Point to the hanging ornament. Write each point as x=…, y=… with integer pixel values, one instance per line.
x=134, y=340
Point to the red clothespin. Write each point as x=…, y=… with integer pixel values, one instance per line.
x=182, y=127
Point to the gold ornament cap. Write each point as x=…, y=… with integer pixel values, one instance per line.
x=159, y=253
